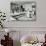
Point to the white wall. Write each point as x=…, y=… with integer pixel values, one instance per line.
x=41, y=15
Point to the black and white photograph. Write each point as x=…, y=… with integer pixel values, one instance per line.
x=23, y=11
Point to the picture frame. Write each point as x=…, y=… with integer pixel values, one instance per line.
x=23, y=11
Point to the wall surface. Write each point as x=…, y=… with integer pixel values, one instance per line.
x=41, y=14
x=38, y=25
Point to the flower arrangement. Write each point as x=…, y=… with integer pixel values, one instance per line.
x=2, y=18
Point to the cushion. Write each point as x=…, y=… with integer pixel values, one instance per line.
x=28, y=39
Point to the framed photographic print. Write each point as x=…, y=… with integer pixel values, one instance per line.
x=23, y=11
